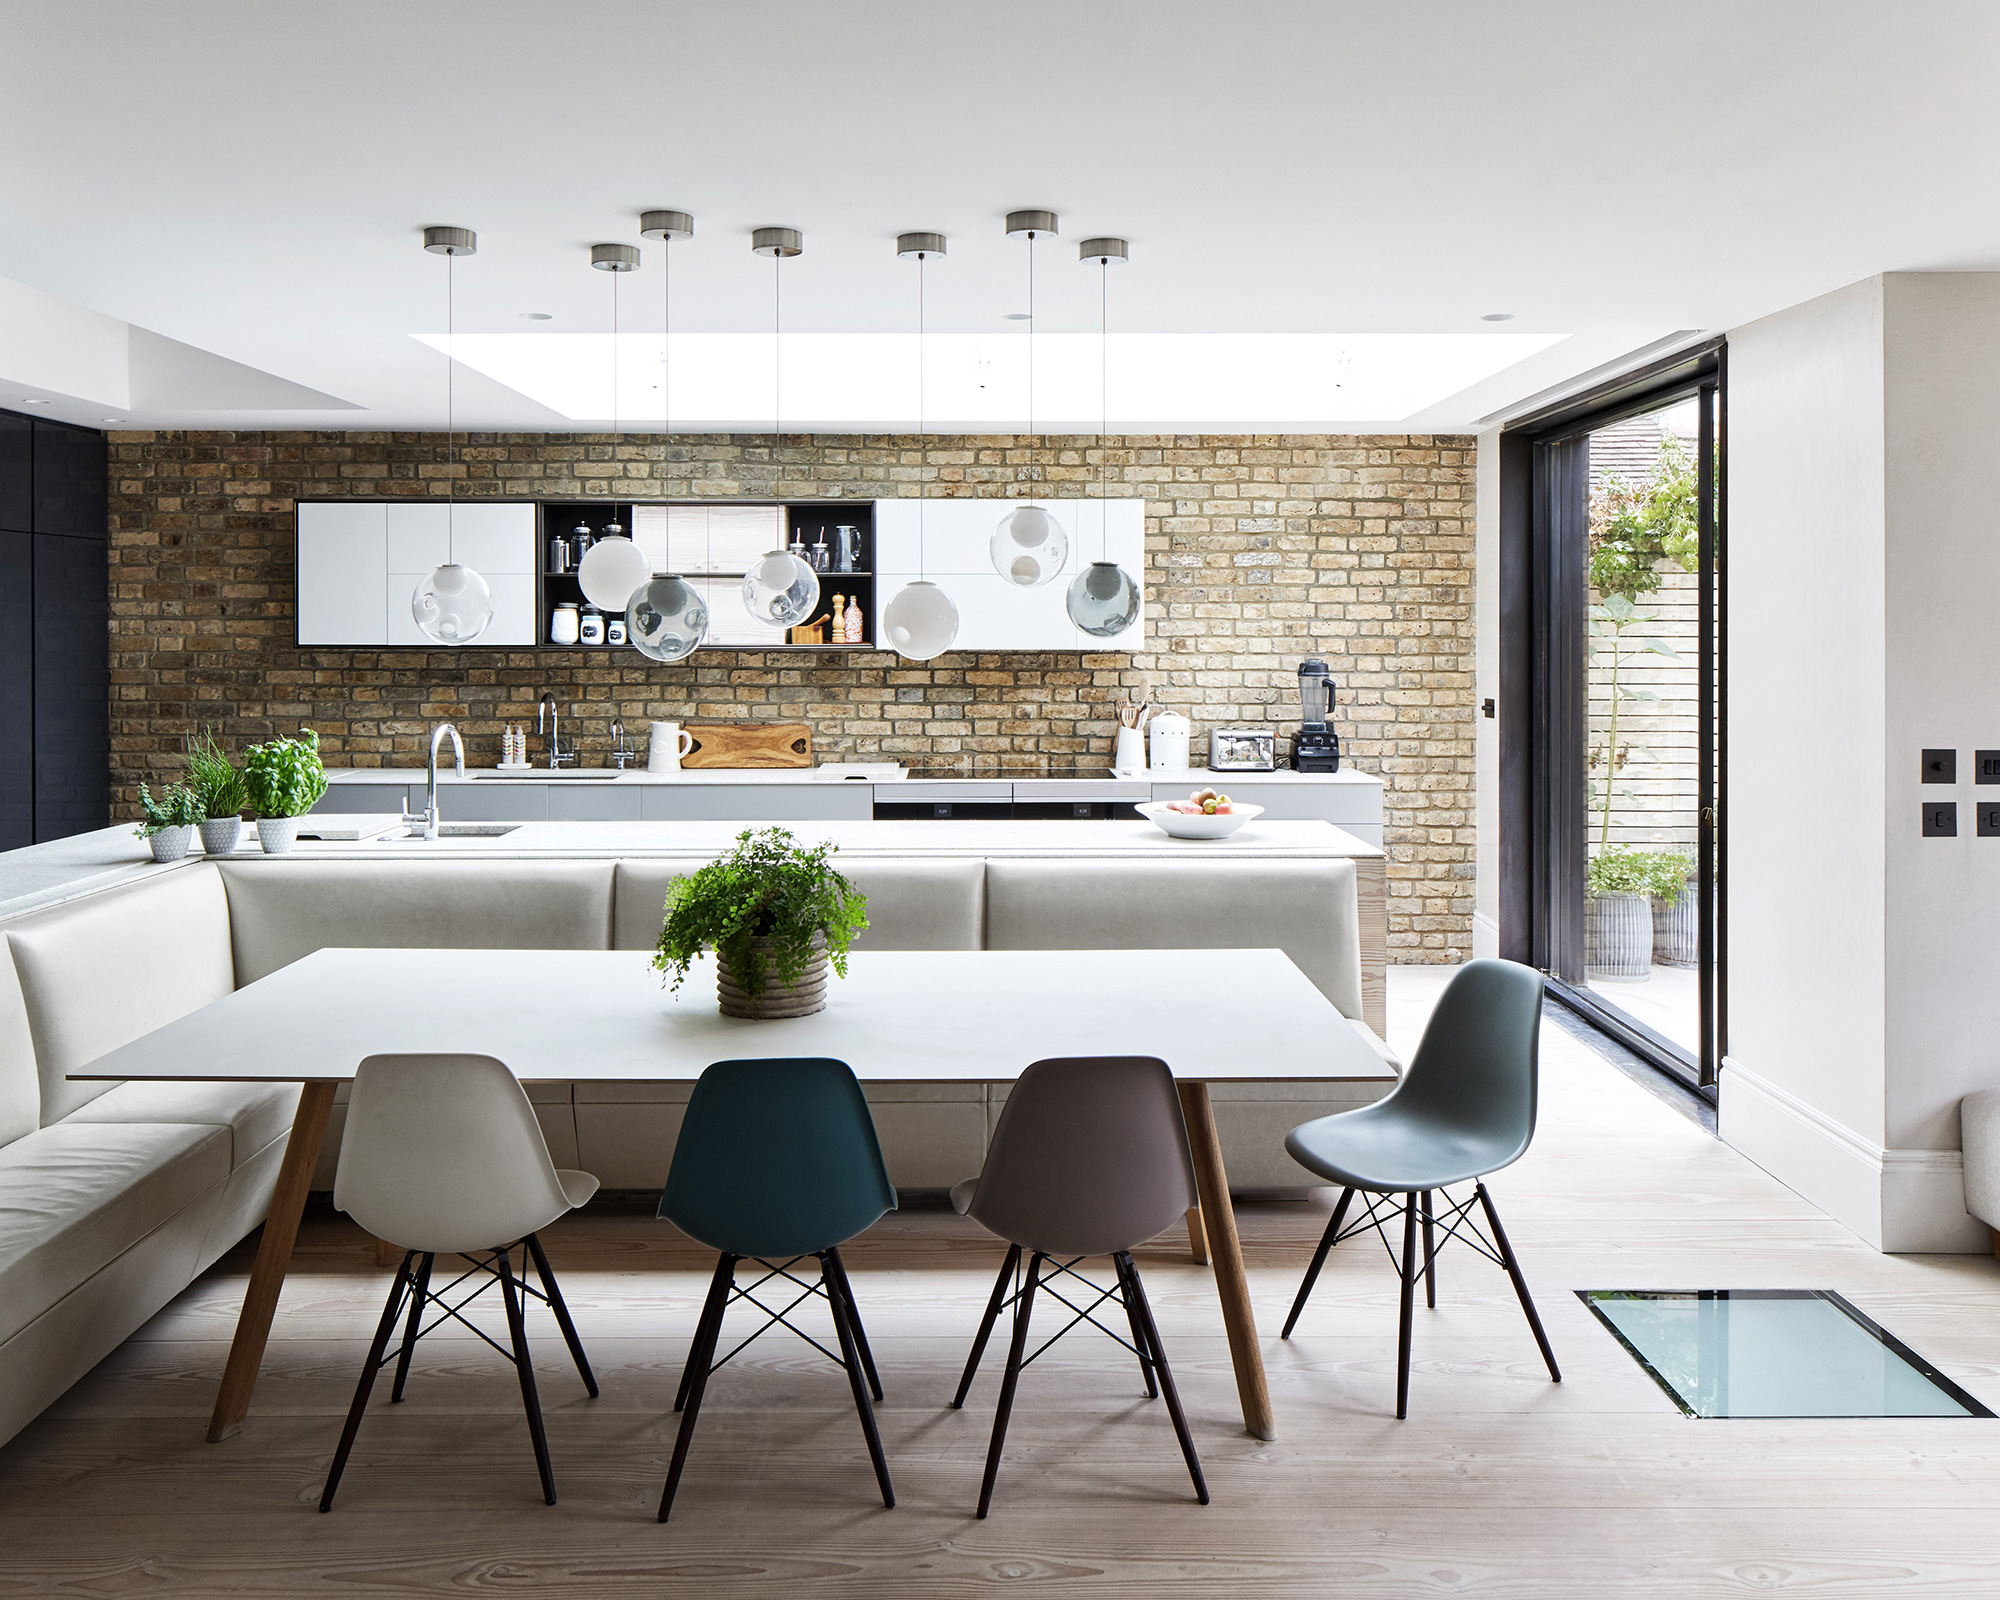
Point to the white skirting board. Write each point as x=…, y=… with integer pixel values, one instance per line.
x=1900, y=1201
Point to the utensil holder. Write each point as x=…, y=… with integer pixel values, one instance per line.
x=1130, y=755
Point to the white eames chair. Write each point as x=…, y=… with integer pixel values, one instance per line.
x=442, y=1153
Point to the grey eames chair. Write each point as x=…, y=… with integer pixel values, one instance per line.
x=1464, y=1108
x=442, y=1153
x=1089, y=1158
x=776, y=1162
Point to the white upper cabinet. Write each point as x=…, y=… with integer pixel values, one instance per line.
x=360, y=563
x=994, y=614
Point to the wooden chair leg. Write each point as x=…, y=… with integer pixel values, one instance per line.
x=707, y=1331
x=366, y=1385
x=1430, y=1254
x=411, y=1328
x=1143, y=1320
x=835, y=1274
x=1408, y=1305
x=386, y=1253
x=1198, y=1236
x=517, y=1326
x=1024, y=1308
x=1129, y=1294
x=1319, y=1260
x=1007, y=1270
x=850, y=1358
x=561, y=1308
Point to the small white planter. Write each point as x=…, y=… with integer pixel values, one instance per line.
x=171, y=844
x=1618, y=938
x=221, y=835
x=277, y=834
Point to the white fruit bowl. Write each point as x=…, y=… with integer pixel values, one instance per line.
x=1197, y=825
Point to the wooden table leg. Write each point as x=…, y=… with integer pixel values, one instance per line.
x=1232, y=1287
x=274, y=1254
x=1197, y=1234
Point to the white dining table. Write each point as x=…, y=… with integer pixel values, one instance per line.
x=957, y=1016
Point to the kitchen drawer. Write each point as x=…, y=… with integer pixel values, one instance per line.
x=757, y=802
x=943, y=810
x=590, y=801
x=510, y=801
x=1338, y=803
x=366, y=799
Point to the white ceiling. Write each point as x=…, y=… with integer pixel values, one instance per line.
x=250, y=180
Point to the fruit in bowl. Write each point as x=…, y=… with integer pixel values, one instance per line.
x=1202, y=803
x=1205, y=814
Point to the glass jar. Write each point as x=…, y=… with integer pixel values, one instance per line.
x=614, y=630
x=590, y=627
x=563, y=623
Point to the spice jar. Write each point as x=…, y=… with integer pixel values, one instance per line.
x=590, y=628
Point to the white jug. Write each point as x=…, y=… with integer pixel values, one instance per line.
x=665, y=746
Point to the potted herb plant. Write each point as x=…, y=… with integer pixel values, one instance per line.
x=219, y=789
x=170, y=820
x=1676, y=931
x=774, y=914
x=1618, y=911
x=285, y=779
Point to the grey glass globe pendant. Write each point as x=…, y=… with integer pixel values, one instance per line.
x=781, y=590
x=667, y=619
x=1103, y=600
x=452, y=603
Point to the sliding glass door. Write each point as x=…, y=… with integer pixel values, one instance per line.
x=1625, y=781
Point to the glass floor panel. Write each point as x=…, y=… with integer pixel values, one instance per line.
x=1774, y=1353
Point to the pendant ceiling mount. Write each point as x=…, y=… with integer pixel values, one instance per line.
x=1103, y=251
x=1031, y=222
x=615, y=257
x=782, y=243
x=911, y=246
x=665, y=225
x=451, y=241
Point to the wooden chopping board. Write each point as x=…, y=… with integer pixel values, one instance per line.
x=749, y=744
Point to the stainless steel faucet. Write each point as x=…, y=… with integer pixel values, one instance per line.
x=621, y=751
x=430, y=819
x=560, y=754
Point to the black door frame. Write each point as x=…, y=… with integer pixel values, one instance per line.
x=1543, y=698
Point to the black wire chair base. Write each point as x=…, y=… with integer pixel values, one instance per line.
x=854, y=1356
x=1457, y=1223
x=413, y=1283
x=1128, y=1292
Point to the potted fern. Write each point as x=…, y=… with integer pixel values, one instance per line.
x=170, y=820
x=1618, y=914
x=219, y=790
x=285, y=778
x=774, y=914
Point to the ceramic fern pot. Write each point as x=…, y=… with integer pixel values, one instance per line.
x=277, y=834
x=171, y=844
x=221, y=835
x=800, y=998
x=1676, y=931
x=1618, y=938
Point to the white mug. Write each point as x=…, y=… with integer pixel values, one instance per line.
x=665, y=746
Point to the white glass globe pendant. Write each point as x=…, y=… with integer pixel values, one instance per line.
x=667, y=619
x=780, y=591
x=1029, y=547
x=612, y=571
x=1103, y=600
x=920, y=620
x=452, y=603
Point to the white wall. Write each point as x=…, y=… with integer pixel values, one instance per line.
x=1486, y=685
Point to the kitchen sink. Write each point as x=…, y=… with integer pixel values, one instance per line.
x=464, y=830
x=543, y=775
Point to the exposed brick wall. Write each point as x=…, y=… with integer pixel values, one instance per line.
x=1260, y=550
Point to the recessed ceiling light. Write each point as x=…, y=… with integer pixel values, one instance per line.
x=537, y=316
x=110, y=419
x=30, y=401
x=1014, y=316
x=1498, y=316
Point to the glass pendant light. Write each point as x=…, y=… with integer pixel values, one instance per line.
x=452, y=604
x=613, y=568
x=920, y=620
x=781, y=590
x=1103, y=599
x=1030, y=545
x=666, y=617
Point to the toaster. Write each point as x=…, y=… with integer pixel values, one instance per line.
x=1242, y=750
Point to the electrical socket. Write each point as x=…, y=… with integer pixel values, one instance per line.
x=1987, y=813
x=1940, y=766
x=1941, y=819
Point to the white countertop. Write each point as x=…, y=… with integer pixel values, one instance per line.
x=1195, y=776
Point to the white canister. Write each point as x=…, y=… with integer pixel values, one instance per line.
x=1169, y=732
x=665, y=746
x=563, y=623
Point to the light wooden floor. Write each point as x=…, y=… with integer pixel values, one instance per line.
x=1500, y=1484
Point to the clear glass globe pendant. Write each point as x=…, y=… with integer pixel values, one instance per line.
x=780, y=591
x=1029, y=547
x=1103, y=600
x=667, y=619
x=452, y=604
x=920, y=621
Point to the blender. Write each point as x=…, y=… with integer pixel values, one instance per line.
x=1315, y=747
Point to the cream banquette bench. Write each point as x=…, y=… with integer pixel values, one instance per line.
x=113, y=1197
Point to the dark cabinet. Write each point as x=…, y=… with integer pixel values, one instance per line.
x=72, y=687
x=17, y=674
x=17, y=456
x=69, y=481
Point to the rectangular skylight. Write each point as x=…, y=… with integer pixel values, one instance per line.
x=1157, y=382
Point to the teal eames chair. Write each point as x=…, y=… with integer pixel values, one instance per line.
x=777, y=1161
x=1465, y=1108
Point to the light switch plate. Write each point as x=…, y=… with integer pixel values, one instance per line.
x=1941, y=819
x=1940, y=766
x=1986, y=766
x=1987, y=813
